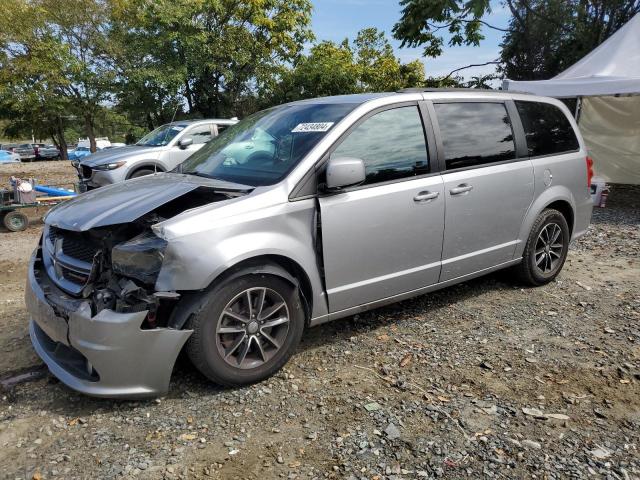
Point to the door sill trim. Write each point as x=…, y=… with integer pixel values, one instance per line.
x=410, y=294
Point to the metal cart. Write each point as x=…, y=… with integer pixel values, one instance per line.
x=11, y=208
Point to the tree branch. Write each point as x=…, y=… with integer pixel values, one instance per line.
x=493, y=62
x=440, y=27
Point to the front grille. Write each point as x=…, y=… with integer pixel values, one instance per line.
x=76, y=248
x=86, y=171
x=68, y=258
x=74, y=244
x=74, y=277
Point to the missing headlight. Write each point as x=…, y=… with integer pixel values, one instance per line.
x=139, y=258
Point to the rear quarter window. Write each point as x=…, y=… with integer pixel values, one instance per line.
x=547, y=129
x=475, y=133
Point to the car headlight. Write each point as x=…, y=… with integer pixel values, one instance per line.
x=139, y=258
x=110, y=166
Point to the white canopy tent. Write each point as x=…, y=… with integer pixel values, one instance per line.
x=607, y=84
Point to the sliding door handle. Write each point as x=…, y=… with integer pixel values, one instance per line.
x=425, y=196
x=460, y=189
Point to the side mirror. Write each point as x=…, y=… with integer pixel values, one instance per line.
x=344, y=172
x=185, y=142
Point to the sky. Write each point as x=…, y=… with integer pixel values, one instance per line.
x=336, y=19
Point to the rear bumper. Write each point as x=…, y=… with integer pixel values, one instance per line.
x=582, y=220
x=106, y=355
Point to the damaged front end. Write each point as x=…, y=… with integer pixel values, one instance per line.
x=112, y=267
x=97, y=319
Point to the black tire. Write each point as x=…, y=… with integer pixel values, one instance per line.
x=142, y=172
x=204, y=349
x=15, y=221
x=541, y=266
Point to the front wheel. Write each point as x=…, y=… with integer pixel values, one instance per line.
x=142, y=173
x=247, y=330
x=546, y=249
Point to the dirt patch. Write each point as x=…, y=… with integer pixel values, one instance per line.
x=475, y=359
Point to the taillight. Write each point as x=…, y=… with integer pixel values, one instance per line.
x=589, y=171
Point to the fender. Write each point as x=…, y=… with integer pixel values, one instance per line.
x=145, y=164
x=550, y=195
x=193, y=303
x=213, y=240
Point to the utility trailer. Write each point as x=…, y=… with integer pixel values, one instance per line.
x=40, y=197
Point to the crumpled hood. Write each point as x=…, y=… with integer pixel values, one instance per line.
x=127, y=201
x=110, y=155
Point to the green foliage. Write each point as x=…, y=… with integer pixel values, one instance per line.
x=543, y=38
x=54, y=62
x=216, y=51
x=367, y=64
x=81, y=63
x=481, y=81
x=423, y=20
x=116, y=68
x=547, y=36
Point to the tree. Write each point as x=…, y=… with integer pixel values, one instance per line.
x=547, y=36
x=422, y=21
x=480, y=81
x=148, y=85
x=328, y=69
x=543, y=37
x=367, y=64
x=218, y=52
x=59, y=49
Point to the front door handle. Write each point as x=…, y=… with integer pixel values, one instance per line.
x=425, y=196
x=460, y=189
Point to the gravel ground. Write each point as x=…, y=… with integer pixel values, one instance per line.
x=484, y=379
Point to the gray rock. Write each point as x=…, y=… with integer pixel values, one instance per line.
x=392, y=431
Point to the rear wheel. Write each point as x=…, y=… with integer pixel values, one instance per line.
x=142, y=172
x=15, y=221
x=247, y=330
x=546, y=249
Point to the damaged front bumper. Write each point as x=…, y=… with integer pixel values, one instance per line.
x=106, y=355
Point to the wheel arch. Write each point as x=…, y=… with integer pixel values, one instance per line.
x=559, y=198
x=269, y=264
x=564, y=207
x=144, y=165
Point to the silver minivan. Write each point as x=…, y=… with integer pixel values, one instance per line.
x=301, y=214
x=160, y=150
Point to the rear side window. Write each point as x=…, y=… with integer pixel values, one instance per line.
x=200, y=134
x=475, y=133
x=547, y=129
x=391, y=144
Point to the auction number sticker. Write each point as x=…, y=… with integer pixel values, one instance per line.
x=312, y=127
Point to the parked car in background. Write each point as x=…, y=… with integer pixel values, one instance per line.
x=26, y=150
x=9, y=157
x=80, y=152
x=46, y=152
x=83, y=148
x=343, y=205
x=159, y=151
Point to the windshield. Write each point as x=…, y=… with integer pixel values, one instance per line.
x=263, y=148
x=160, y=136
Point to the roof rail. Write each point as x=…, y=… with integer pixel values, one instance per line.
x=423, y=89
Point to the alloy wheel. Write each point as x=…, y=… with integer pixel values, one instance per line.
x=252, y=328
x=549, y=246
